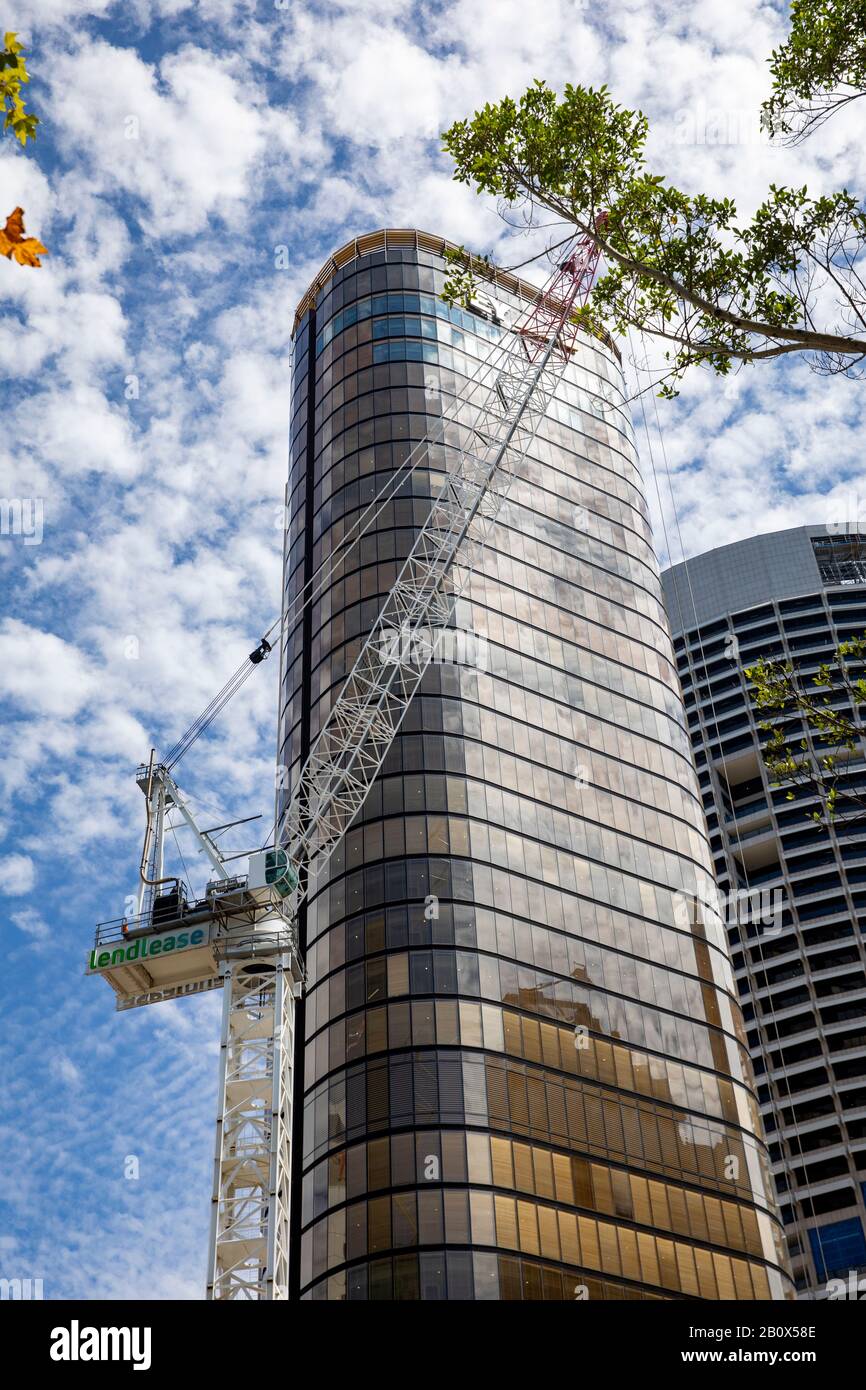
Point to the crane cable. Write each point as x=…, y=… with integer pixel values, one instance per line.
x=235, y=681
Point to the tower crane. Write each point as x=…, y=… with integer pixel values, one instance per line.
x=242, y=935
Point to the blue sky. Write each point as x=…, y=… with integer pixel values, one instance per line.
x=180, y=144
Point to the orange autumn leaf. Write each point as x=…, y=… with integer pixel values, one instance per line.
x=26, y=250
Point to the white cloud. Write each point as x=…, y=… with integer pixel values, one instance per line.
x=33, y=926
x=65, y=1070
x=78, y=430
x=184, y=140
x=44, y=673
x=17, y=874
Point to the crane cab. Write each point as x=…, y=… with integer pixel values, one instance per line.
x=272, y=869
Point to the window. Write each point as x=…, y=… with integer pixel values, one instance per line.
x=838, y=1248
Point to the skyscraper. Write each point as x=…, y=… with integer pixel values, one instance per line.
x=523, y=1075
x=799, y=963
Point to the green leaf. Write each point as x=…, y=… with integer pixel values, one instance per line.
x=13, y=72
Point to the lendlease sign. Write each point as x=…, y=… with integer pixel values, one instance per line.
x=196, y=975
x=160, y=993
x=145, y=948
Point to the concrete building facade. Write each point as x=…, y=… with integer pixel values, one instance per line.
x=797, y=932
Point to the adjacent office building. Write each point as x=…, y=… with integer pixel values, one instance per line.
x=798, y=961
x=525, y=1073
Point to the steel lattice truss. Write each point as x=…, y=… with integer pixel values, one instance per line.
x=249, y=1243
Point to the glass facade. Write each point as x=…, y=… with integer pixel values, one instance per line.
x=798, y=936
x=524, y=1074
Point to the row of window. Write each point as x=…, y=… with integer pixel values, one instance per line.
x=475, y=923
x=380, y=463
x=603, y=867
x=566, y=523
x=454, y=1023
x=499, y=931
x=395, y=269
x=623, y=734
x=352, y=321
x=449, y=391
x=585, y=360
x=574, y=453
x=477, y=334
x=461, y=1275
x=555, y=664
x=330, y=448
x=581, y=411
x=567, y=888
x=588, y=468
x=483, y=1160
x=419, y=1089
x=437, y=752
x=408, y=269
x=467, y=642
x=468, y=375
x=534, y=600
x=826, y=616
x=357, y=602
x=490, y=1219
x=438, y=922
x=613, y=523
x=518, y=552
x=587, y=702
x=622, y=730
x=553, y=953
x=486, y=1160
x=558, y=809
x=473, y=976
x=586, y=772
x=403, y=302
x=581, y=613
x=532, y=756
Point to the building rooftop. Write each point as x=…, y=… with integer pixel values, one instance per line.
x=778, y=565
x=408, y=238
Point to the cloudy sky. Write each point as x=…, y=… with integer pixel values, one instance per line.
x=144, y=379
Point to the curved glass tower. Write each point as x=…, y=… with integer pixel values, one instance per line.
x=801, y=967
x=524, y=1069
